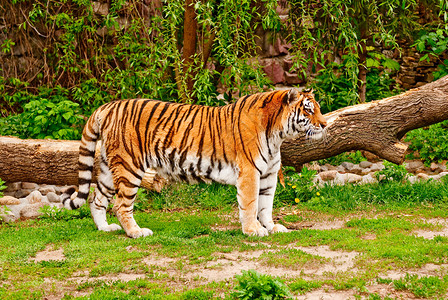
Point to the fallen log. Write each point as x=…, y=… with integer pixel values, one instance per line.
x=376, y=127
x=51, y=162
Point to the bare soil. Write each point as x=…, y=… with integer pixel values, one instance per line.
x=224, y=266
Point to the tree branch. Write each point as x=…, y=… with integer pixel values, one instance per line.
x=376, y=126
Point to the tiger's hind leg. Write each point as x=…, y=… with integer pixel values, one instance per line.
x=99, y=202
x=268, y=184
x=124, y=203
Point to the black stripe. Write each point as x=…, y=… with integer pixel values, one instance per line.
x=83, y=195
x=265, y=191
x=84, y=167
x=264, y=176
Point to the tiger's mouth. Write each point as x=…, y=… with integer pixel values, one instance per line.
x=315, y=133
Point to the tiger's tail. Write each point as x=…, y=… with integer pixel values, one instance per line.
x=90, y=136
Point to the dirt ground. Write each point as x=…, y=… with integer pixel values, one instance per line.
x=225, y=266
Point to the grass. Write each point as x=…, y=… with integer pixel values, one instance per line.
x=196, y=230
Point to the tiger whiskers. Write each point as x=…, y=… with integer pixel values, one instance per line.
x=312, y=135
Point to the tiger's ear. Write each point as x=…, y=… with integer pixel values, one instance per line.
x=308, y=91
x=290, y=97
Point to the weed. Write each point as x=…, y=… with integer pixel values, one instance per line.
x=253, y=285
x=54, y=213
x=391, y=172
x=423, y=287
x=430, y=142
x=302, y=286
x=291, y=258
x=2, y=187
x=299, y=187
x=354, y=157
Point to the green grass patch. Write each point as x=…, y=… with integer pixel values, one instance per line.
x=195, y=225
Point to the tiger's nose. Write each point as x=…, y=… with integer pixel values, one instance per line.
x=322, y=121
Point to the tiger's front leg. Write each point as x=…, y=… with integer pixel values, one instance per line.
x=268, y=185
x=247, y=195
x=124, y=209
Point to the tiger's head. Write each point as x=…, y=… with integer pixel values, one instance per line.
x=302, y=114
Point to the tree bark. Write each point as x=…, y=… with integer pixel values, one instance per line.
x=190, y=33
x=376, y=127
x=51, y=162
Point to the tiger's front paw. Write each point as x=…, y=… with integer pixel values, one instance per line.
x=255, y=229
x=140, y=232
x=278, y=228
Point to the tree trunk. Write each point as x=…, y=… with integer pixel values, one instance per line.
x=376, y=127
x=190, y=32
x=362, y=64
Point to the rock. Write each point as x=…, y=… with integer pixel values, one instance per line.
x=369, y=178
x=356, y=169
x=439, y=176
x=435, y=167
x=376, y=167
x=274, y=71
x=328, y=175
x=292, y=78
x=347, y=165
x=412, y=179
x=6, y=215
x=34, y=197
x=323, y=168
x=313, y=166
x=366, y=171
x=13, y=187
x=22, y=193
x=15, y=209
x=422, y=176
x=29, y=186
x=53, y=198
x=353, y=178
x=414, y=166
x=340, y=169
x=45, y=189
x=8, y=200
x=365, y=164
x=32, y=211
x=330, y=167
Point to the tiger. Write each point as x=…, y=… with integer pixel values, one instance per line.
x=237, y=144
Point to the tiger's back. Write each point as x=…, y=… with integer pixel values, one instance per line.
x=236, y=144
x=187, y=142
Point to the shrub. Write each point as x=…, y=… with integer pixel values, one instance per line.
x=2, y=187
x=354, y=157
x=253, y=285
x=54, y=117
x=391, y=172
x=299, y=187
x=431, y=142
x=434, y=43
x=334, y=89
